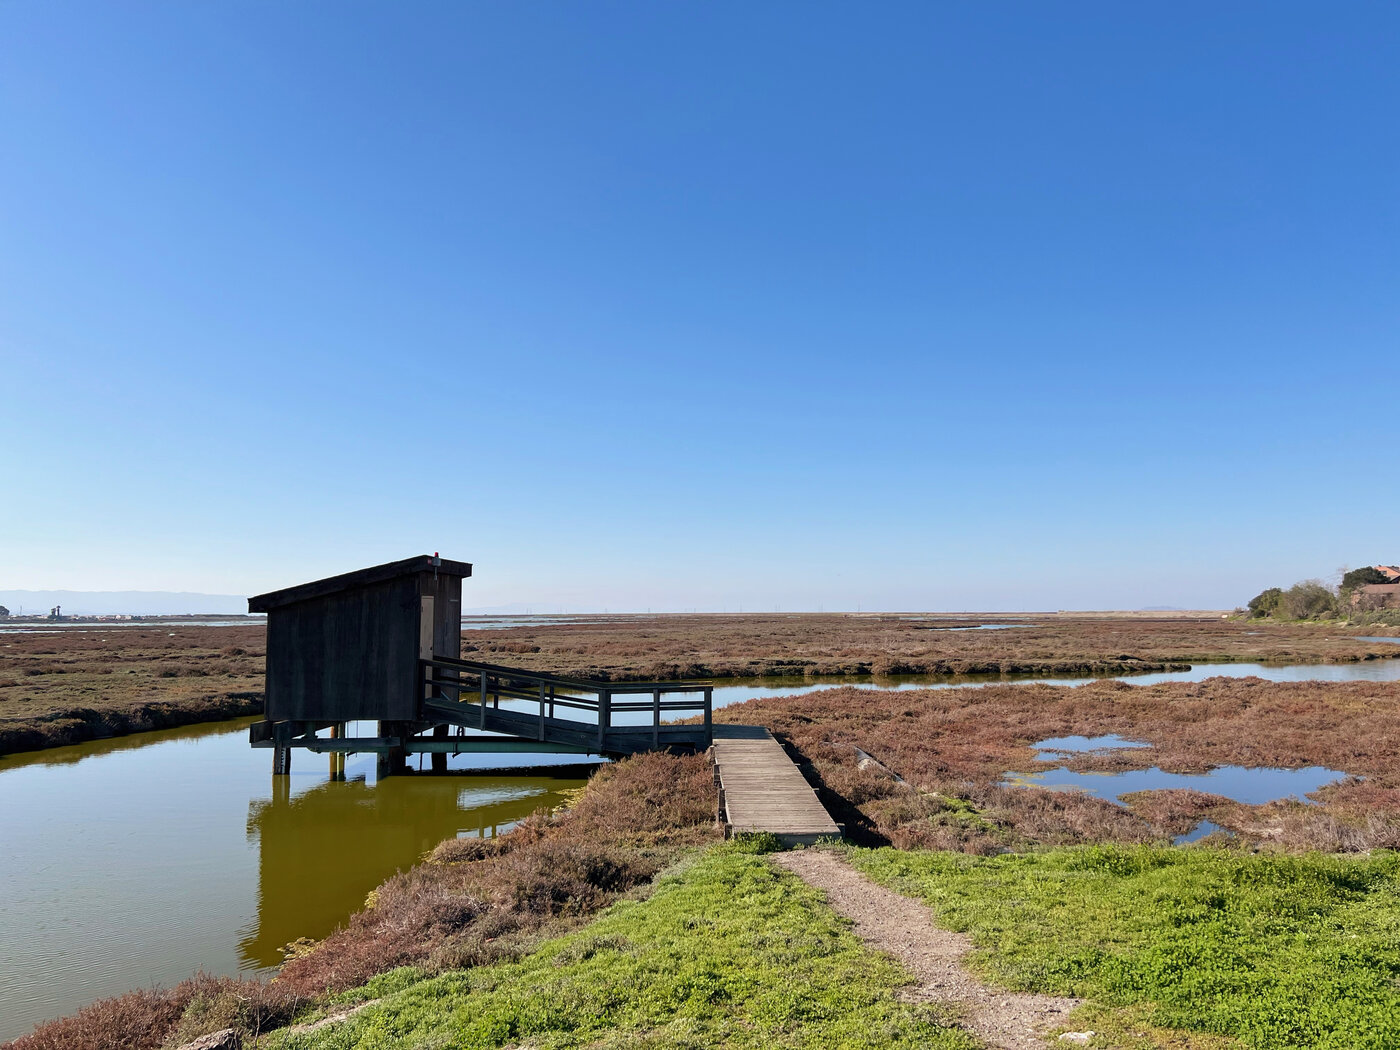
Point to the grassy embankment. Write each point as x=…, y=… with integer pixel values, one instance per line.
x=729, y=951
x=1274, y=951
x=73, y=685
x=1171, y=947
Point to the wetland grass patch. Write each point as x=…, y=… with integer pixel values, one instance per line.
x=1272, y=950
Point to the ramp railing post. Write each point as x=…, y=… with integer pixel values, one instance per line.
x=482, y=721
x=709, y=716
x=542, y=702
x=604, y=716
x=656, y=718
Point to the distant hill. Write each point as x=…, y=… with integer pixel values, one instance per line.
x=116, y=603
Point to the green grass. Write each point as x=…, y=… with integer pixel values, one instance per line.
x=729, y=951
x=1275, y=951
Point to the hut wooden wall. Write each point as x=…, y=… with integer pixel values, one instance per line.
x=352, y=654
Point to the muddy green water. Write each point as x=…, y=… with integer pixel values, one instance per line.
x=141, y=860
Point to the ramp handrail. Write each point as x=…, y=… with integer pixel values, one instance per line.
x=443, y=676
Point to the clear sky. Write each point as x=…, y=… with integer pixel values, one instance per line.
x=701, y=305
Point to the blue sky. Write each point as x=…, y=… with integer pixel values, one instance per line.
x=672, y=306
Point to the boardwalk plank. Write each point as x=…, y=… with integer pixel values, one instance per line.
x=764, y=790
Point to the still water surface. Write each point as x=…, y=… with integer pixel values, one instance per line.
x=143, y=859
x=737, y=690
x=1253, y=785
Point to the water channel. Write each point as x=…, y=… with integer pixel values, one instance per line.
x=139, y=860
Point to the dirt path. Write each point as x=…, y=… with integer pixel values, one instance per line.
x=904, y=928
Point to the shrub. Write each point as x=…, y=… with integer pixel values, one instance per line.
x=1265, y=603
x=135, y=1021
x=462, y=851
x=215, y=1003
x=1308, y=600
x=559, y=877
x=154, y=1017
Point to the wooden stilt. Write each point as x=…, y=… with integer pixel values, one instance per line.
x=395, y=760
x=440, y=758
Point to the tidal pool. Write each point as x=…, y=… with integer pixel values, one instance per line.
x=1251, y=785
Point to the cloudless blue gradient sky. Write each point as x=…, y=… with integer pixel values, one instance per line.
x=701, y=305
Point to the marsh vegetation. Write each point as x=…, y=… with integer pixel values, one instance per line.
x=495, y=943
x=723, y=646
x=64, y=687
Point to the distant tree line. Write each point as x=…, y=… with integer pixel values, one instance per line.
x=1312, y=599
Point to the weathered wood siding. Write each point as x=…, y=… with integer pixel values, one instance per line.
x=349, y=655
x=346, y=648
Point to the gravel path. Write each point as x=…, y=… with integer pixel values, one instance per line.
x=904, y=928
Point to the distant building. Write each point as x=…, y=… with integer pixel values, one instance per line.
x=1390, y=572
x=1373, y=596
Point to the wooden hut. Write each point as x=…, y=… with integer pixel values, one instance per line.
x=384, y=645
x=346, y=648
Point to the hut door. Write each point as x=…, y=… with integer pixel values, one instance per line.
x=425, y=628
x=425, y=636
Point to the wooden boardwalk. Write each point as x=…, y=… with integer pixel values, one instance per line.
x=762, y=790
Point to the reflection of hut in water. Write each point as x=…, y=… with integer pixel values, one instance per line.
x=320, y=852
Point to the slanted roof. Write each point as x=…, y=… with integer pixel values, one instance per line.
x=359, y=578
x=1390, y=572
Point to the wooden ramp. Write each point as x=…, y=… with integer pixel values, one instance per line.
x=762, y=790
